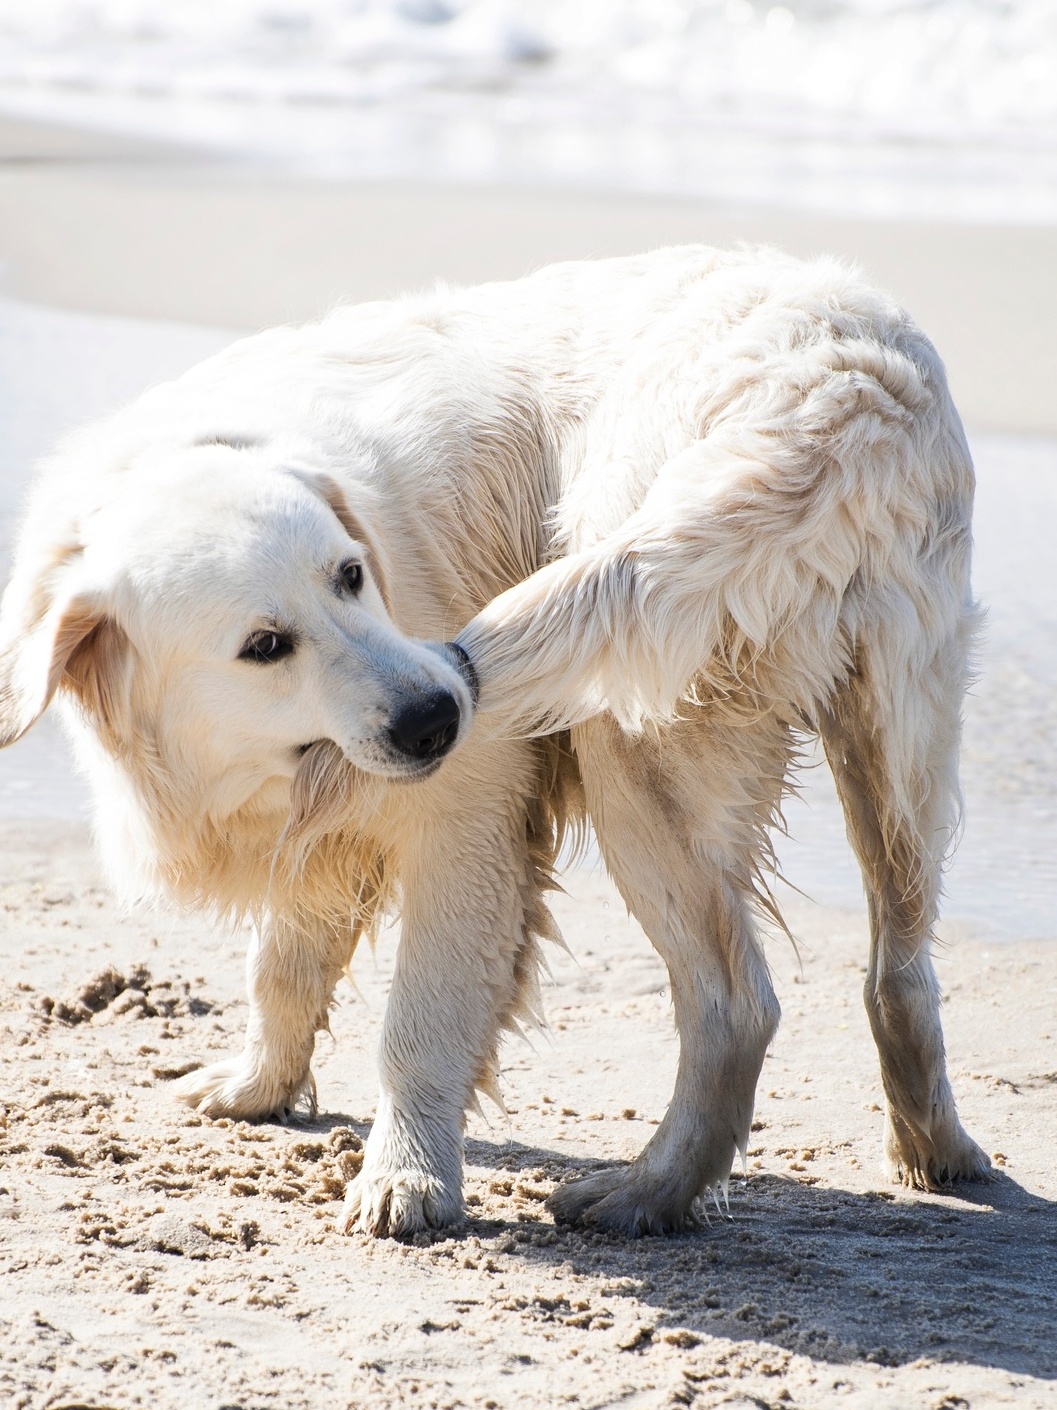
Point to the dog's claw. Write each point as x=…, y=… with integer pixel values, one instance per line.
x=948, y=1156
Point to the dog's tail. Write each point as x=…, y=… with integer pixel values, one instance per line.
x=743, y=552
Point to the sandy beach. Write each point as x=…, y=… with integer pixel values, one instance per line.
x=180, y=236
x=151, y=1258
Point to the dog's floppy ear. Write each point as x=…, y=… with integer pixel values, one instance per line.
x=50, y=629
x=328, y=489
x=33, y=659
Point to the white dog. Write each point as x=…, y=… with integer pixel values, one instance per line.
x=674, y=511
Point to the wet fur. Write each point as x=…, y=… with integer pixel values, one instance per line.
x=678, y=512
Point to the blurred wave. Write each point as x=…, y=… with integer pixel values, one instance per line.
x=919, y=108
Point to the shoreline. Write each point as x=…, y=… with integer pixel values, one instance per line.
x=173, y=234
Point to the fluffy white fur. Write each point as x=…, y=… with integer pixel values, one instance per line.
x=677, y=511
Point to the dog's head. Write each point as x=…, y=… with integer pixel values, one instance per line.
x=215, y=614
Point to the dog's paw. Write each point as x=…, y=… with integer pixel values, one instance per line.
x=625, y=1200
x=936, y=1162
x=398, y=1203
x=239, y=1089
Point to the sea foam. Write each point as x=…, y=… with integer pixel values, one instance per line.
x=897, y=108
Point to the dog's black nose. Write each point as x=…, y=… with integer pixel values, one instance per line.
x=425, y=728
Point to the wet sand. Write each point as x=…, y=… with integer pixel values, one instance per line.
x=113, y=226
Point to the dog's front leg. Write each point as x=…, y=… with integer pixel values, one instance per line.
x=291, y=971
x=466, y=966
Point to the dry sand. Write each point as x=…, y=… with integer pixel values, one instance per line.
x=150, y=1258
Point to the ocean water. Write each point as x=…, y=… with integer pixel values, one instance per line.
x=905, y=108
x=58, y=368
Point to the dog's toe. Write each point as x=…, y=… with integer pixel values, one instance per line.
x=571, y=1203
x=623, y=1201
x=367, y=1207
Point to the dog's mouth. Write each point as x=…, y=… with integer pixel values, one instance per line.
x=415, y=774
x=393, y=765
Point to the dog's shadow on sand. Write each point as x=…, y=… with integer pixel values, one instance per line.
x=839, y=1276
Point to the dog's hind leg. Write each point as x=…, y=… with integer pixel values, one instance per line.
x=678, y=816
x=291, y=971
x=891, y=735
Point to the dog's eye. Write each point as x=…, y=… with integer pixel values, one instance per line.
x=351, y=576
x=265, y=647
